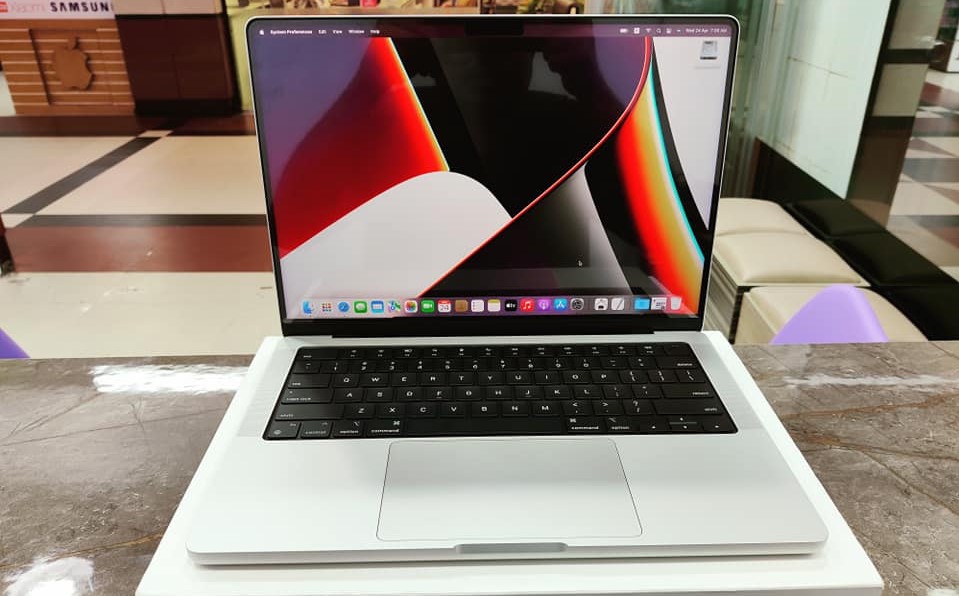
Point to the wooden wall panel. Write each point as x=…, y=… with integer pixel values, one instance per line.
x=27, y=49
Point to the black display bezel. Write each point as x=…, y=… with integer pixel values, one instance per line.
x=578, y=324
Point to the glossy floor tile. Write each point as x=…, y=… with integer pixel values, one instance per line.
x=62, y=315
x=30, y=164
x=913, y=198
x=11, y=220
x=80, y=248
x=203, y=174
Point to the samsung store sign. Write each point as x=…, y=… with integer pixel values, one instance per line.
x=56, y=9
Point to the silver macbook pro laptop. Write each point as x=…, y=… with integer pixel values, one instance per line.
x=491, y=240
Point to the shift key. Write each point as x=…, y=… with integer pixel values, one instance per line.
x=679, y=407
x=309, y=412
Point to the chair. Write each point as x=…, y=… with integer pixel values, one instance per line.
x=838, y=314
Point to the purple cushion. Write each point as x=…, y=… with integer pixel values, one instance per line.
x=837, y=314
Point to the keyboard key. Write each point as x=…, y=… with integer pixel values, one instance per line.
x=677, y=349
x=650, y=425
x=515, y=408
x=390, y=410
x=347, y=429
x=468, y=393
x=441, y=393
x=421, y=410
x=547, y=377
x=409, y=394
x=378, y=395
x=283, y=430
x=638, y=407
x=571, y=377
x=491, y=378
x=308, y=412
x=603, y=377
x=584, y=425
x=316, y=354
x=453, y=409
x=607, y=407
x=676, y=362
x=347, y=395
x=307, y=367
x=318, y=429
x=717, y=424
x=647, y=391
x=613, y=362
x=463, y=378
x=485, y=409
x=335, y=366
x=432, y=379
x=374, y=380
x=688, y=390
x=499, y=393
x=587, y=392
x=557, y=392
x=403, y=379
x=442, y=427
x=351, y=353
x=683, y=424
x=619, y=424
x=306, y=396
x=359, y=411
x=618, y=391
x=306, y=381
x=519, y=378
x=528, y=392
x=545, y=408
x=384, y=428
x=691, y=376
x=633, y=377
x=346, y=380
x=661, y=376
x=577, y=407
x=671, y=407
x=641, y=362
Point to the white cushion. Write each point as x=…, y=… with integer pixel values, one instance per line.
x=766, y=310
x=738, y=216
x=771, y=258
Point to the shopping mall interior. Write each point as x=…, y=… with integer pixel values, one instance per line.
x=130, y=208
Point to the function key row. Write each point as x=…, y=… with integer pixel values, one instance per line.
x=648, y=349
x=557, y=363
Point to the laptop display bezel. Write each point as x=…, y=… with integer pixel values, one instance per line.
x=572, y=324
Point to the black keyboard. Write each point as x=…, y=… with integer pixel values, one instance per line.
x=446, y=391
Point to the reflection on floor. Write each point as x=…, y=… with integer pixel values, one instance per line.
x=925, y=210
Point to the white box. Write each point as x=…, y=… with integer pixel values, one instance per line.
x=840, y=568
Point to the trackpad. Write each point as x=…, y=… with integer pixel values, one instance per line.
x=496, y=490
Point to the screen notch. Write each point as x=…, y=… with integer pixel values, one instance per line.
x=494, y=27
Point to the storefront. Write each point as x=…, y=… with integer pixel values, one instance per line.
x=63, y=58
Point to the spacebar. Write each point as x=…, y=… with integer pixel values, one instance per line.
x=439, y=427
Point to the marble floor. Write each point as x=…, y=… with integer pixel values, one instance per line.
x=154, y=230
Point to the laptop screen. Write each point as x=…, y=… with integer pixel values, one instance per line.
x=481, y=167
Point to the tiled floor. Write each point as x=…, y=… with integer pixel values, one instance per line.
x=925, y=210
x=147, y=236
x=149, y=241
